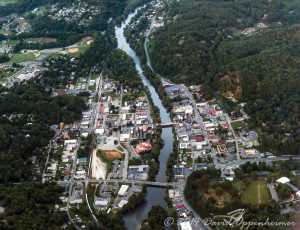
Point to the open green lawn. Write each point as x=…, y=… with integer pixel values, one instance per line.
x=41, y=40
x=11, y=42
x=256, y=193
x=236, y=124
x=18, y=58
x=94, y=76
x=5, y=2
x=239, y=185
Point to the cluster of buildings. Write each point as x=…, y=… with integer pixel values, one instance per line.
x=123, y=115
x=295, y=196
x=138, y=172
x=81, y=84
x=184, y=214
x=15, y=24
x=111, y=196
x=77, y=193
x=78, y=11
x=29, y=71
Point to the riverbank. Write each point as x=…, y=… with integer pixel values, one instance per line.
x=155, y=196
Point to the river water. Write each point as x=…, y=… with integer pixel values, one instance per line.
x=155, y=196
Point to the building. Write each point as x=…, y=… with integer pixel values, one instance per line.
x=123, y=190
x=122, y=203
x=282, y=180
x=143, y=147
x=101, y=202
x=222, y=150
x=185, y=226
x=297, y=195
x=173, y=193
x=138, y=172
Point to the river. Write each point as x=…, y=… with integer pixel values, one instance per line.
x=155, y=196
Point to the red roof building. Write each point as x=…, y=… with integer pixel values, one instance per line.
x=197, y=138
x=212, y=112
x=143, y=147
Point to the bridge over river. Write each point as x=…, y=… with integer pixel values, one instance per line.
x=150, y=183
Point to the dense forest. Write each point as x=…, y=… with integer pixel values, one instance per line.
x=26, y=112
x=119, y=66
x=243, y=49
x=31, y=206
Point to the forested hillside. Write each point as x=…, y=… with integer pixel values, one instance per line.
x=26, y=113
x=248, y=50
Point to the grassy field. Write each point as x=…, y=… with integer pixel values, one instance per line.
x=236, y=124
x=41, y=40
x=18, y=58
x=239, y=185
x=256, y=193
x=5, y=2
x=94, y=76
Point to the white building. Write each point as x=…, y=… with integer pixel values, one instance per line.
x=122, y=203
x=283, y=180
x=102, y=202
x=185, y=226
x=123, y=190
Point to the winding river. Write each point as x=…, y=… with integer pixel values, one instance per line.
x=155, y=196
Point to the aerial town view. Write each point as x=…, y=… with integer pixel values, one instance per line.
x=149, y=114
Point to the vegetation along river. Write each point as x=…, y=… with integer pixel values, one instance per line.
x=155, y=196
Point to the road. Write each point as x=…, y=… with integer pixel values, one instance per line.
x=151, y=183
x=235, y=137
x=95, y=113
x=57, y=132
x=71, y=183
x=198, y=222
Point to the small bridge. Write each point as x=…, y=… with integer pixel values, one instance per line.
x=167, y=124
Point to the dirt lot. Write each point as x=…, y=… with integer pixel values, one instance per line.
x=113, y=154
x=72, y=50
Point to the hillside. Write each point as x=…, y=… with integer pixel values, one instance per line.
x=248, y=50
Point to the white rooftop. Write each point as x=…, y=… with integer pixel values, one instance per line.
x=185, y=226
x=283, y=180
x=123, y=190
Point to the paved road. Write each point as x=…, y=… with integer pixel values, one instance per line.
x=235, y=137
x=71, y=183
x=273, y=192
x=57, y=132
x=198, y=222
x=153, y=183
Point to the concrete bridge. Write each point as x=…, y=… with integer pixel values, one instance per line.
x=150, y=183
x=167, y=124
